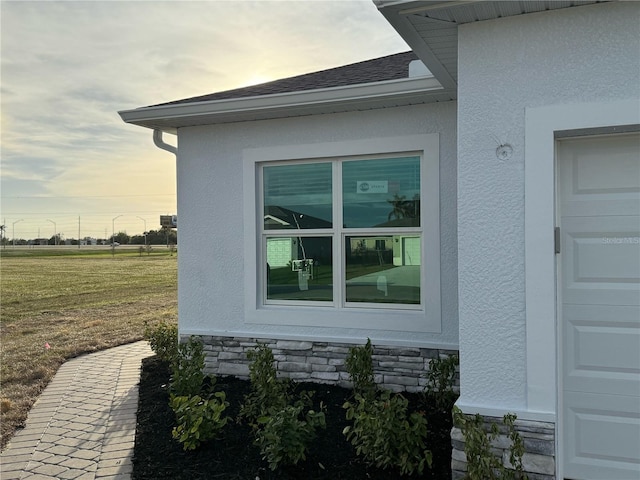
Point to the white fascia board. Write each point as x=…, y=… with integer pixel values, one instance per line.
x=236, y=109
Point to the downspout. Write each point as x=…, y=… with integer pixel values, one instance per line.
x=161, y=144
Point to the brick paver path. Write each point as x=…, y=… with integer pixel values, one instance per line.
x=83, y=425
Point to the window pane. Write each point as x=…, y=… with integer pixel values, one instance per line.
x=383, y=269
x=299, y=268
x=381, y=193
x=297, y=196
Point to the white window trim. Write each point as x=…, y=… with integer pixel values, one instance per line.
x=425, y=319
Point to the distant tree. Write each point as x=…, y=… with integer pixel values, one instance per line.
x=121, y=237
x=136, y=240
x=156, y=237
x=55, y=240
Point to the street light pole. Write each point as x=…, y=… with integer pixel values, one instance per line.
x=55, y=232
x=145, y=230
x=113, y=235
x=13, y=232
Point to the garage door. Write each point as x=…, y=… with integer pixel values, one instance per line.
x=599, y=295
x=411, y=250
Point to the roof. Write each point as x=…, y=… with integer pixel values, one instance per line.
x=431, y=27
x=377, y=83
x=380, y=69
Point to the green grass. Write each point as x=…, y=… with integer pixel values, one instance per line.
x=76, y=304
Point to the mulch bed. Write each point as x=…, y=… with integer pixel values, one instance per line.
x=233, y=455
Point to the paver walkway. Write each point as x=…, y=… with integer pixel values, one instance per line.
x=83, y=425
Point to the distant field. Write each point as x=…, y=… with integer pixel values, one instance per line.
x=74, y=303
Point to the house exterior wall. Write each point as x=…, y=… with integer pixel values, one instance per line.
x=566, y=56
x=211, y=203
x=512, y=71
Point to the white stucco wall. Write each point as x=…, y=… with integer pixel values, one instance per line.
x=210, y=205
x=571, y=56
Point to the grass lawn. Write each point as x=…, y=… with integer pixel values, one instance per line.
x=74, y=303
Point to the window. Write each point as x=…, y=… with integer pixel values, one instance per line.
x=344, y=230
x=378, y=245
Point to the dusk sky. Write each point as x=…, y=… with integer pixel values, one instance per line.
x=68, y=67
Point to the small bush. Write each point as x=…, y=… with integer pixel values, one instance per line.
x=198, y=419
x=360, y=367
x=383, y=431
x=285, y=434
x=163, y=338
x=482, y=464
x=187, y=369
x=441, y=378
x=283, y=424
x=268, y=392
x=385, y=435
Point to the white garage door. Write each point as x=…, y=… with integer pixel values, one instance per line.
x=599, y=291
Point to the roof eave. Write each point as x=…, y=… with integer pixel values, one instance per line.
x=395, y=12
x=327, y=100
x=430, y=27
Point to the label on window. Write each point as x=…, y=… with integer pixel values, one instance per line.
x=375, y=186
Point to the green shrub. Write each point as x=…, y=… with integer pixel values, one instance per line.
x=482, y=464
x=283, y=424
x=360, y=367
x=285, y=434
x=198, y=419
x=385, y=435
x=441, y=378
x=163, y=338
x=187, y=369
x=383, y=431
x=268, y=392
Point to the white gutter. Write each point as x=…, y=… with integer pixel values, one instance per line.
x=172, y=116
x=161, y=144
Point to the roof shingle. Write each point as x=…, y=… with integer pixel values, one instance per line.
x=391, y=67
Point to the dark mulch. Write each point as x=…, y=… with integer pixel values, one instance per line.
x=233, y=456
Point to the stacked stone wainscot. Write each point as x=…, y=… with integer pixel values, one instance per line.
x=396, y=368
x=539, y=443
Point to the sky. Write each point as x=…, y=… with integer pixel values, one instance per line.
x=69, y=164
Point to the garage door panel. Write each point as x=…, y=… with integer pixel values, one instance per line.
x=603, y=349
x=602, y=207
x=607, y=440
x=601, y=261
x=605, y=167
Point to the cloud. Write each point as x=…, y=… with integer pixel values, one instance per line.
x=68, y=67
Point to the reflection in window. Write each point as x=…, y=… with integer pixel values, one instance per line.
x=383, y=269
x=381, y=193
x=297, y=196
x=299, y=268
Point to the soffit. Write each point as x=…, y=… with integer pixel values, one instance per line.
x=431, y=27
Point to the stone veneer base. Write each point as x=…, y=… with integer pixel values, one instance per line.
x=539, y=443
x=395, y=368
